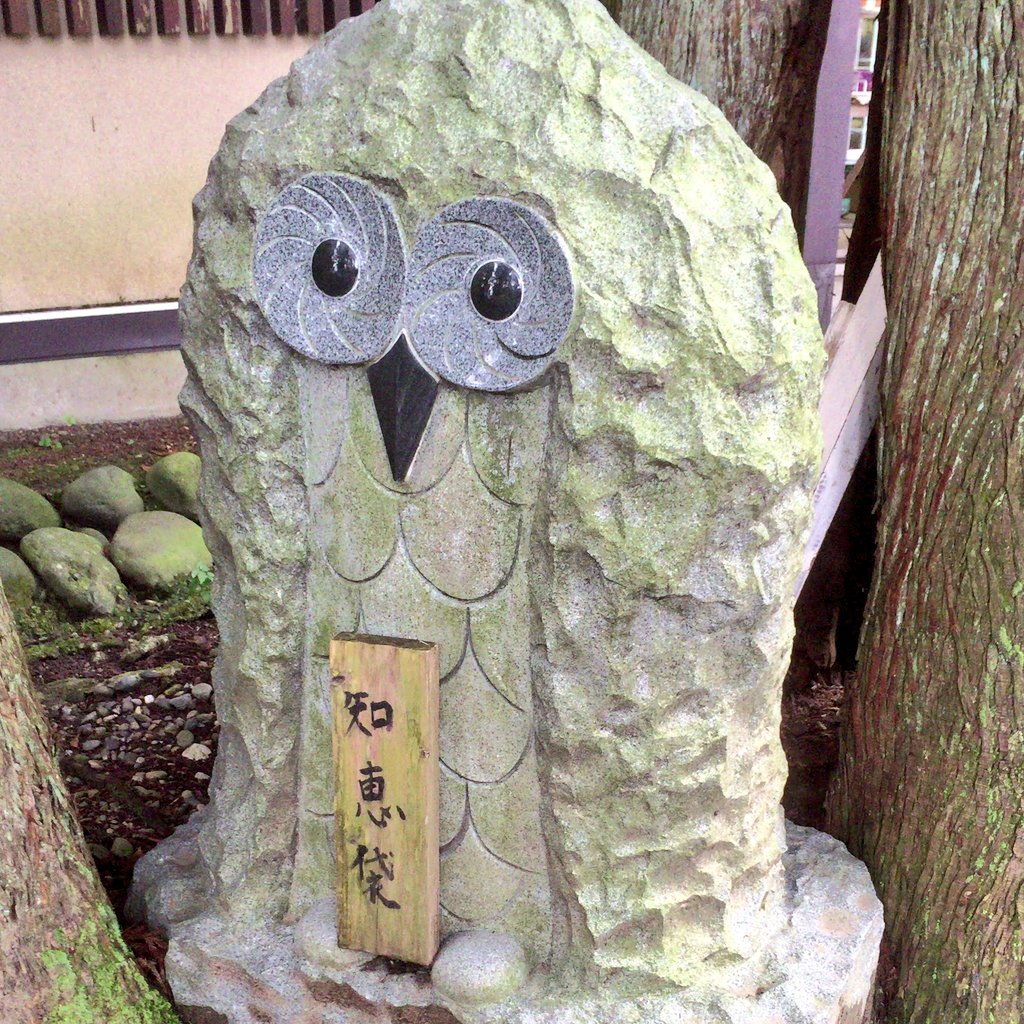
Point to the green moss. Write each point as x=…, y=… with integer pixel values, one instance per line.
x=96, y=986
x=1011, y=651
x=49, y=629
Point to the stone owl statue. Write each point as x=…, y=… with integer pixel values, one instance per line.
x=499, y=338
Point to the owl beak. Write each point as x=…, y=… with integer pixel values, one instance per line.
x=403, y=395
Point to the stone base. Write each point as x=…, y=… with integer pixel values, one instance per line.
x=821, y=966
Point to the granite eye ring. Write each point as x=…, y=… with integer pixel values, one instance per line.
x=329, y=269
x=490, y=295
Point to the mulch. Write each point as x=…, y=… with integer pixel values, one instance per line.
x=135, y=785
x=50, y=457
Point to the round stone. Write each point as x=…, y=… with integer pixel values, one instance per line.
x=334, y=268
x=121, y=848
x=22, y=510
x=479, y=967
x=316, y=938
x=496, y=291
x=102, y=498
x=19, y=582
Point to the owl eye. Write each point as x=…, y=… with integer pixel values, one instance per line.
x=490, y=295
x=329, y=269
x=334, y=267
x=496, y=291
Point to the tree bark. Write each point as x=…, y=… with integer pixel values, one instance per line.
x=62, y=959
x=930, y=788
x=758, y=61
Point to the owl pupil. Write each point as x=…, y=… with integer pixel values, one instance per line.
x=496, y=291
x=334, y=268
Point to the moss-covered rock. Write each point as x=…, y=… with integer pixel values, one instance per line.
x=74, y=570
x=19, y=582
x=154, y=549
x=174, y=483
x=23, y=510
x=88, y=531
x=606, y=560
x=101, y=497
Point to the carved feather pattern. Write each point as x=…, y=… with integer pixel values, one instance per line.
x=442, y=558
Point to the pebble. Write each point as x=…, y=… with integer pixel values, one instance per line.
x=184, y=738
x=148, y=699
x=125, y=681
x=197, y=752
x=202, y=691
x=102, y=690
x=155, y=776
x=127, y=704
x=163, y=672
x=121, y=848
x=202, y=777
x=146, y=645
x=90, y=745
x=182, y=702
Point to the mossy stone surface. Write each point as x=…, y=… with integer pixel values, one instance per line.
x=23, y=510
x=155, y=549
x=606, y=560
x=101, y=498
x=19, y=582
x=88, y=531
x=174, y=483
x=73, y=569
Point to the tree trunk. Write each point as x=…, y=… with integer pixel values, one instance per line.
x=62, y=960
x=930, y=789
x=757, y=61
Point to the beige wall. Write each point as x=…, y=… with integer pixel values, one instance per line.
x=103, y=143
x=93, y=390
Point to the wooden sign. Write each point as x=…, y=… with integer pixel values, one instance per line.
x=386, y=709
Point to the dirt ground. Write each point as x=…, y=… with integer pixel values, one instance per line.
x=122, y=748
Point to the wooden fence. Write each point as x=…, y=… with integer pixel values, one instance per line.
x=51, y=18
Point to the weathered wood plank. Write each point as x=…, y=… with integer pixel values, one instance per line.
x=335, y=11
x=79, y=15
x=198, y=17
x=386, y=710
x=48, y=15
x=311, y=19
x=851, y=348
x=16, y=17
x=849, y=403
x=110, y=17
x=255, y=21
x=168, y=17
x=227, y=17
x=140, y=17
x=282, y=17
